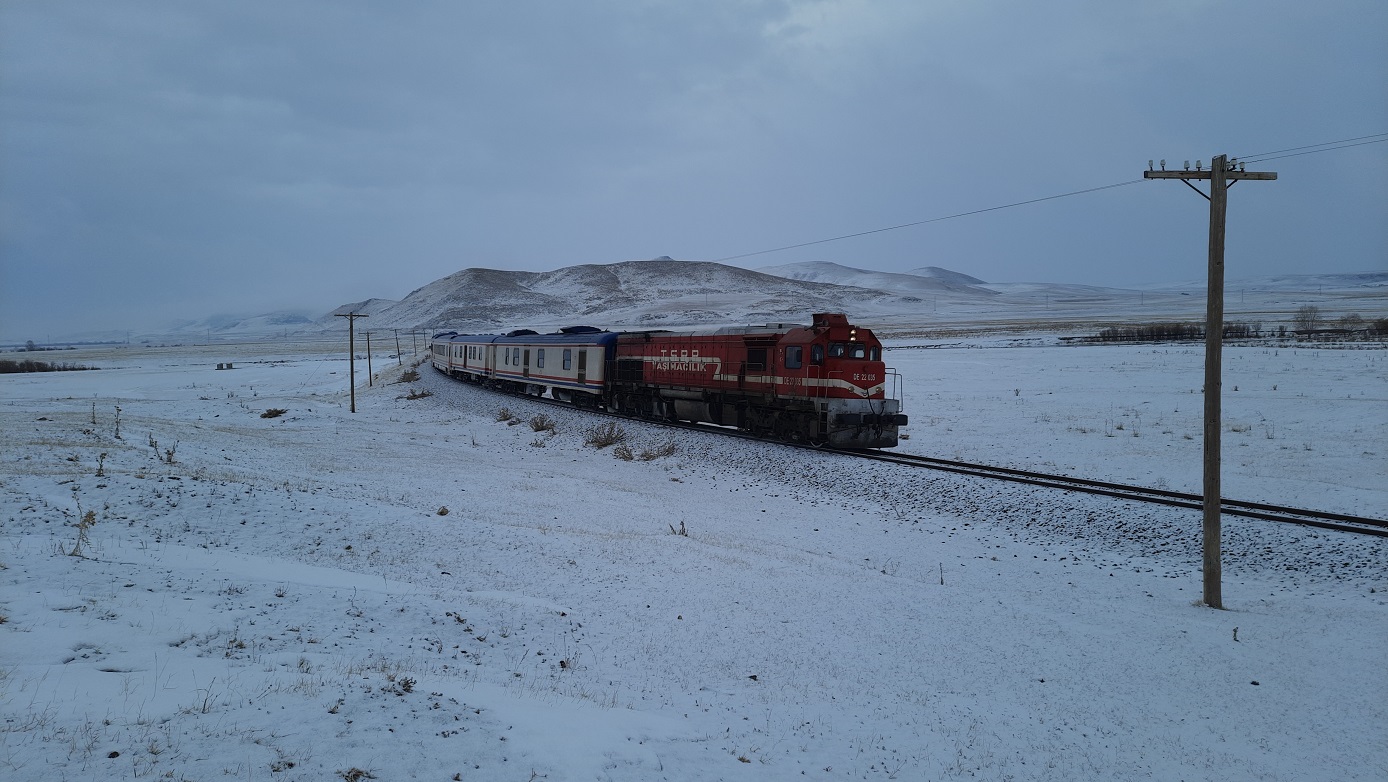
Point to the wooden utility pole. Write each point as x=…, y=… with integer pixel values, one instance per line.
x=370, y=378
x=399, y=360
x=352, y=352
x=1222, y=174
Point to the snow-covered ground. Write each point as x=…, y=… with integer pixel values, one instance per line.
x=284, y=598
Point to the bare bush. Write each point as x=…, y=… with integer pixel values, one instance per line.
x=623, y=452
x=86, y=520
x=542, y=423
x=1307, y=318
x=603, y=435
x=409, y=376
x=667, y=448
x=1351, y=322
x=274, y=412
x=29, y=365
x=420, y=394
x=504, y=414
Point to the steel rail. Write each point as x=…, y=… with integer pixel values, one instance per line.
x=1339, y=522
x=1255, y=510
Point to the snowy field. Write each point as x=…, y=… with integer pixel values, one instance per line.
x=284, y=598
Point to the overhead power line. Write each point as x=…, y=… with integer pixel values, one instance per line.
x=1269, y=156
x=930, y=220
x=1277, y=154
x=1263, y=155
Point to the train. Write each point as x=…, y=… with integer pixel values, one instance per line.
x=822, y=384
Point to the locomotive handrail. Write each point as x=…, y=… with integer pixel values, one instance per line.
x=897, y=388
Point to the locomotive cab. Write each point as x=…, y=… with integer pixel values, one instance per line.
x=839, y=367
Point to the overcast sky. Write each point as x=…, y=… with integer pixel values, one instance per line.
x=161, y=160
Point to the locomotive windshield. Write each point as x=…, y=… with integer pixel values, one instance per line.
x=854, y=350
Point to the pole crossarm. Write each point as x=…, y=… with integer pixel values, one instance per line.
x=1228, y=175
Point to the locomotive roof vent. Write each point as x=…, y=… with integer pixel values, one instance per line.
x=522, y=333
x=827, y=319
x=580, y=330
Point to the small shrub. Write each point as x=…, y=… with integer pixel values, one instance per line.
x=623, y=452
x=683, y=531
x=274, y=412
x=542, y=423
x=410, y=376
x=418, y=394
x=504, y=414
x=667, y=448
x=603, y=435
x=87, y=521
x=28, y=365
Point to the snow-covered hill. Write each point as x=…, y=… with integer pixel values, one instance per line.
x=651, y=293
x=231, y=326
x=666, y=293
x=929, y=280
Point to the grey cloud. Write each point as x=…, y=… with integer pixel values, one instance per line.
x=168, y=159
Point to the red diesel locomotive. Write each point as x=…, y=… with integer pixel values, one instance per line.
x=824, y=383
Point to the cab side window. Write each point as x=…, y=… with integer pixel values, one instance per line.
x=836, y=350
x=857, y=350
x=875, y=354
x=795, y=356
x=817, y=354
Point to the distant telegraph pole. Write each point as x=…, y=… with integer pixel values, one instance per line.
x=370, y=378
x=352, y=352
x=1222, y=174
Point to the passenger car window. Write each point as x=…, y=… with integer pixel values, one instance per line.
x=568, y=358
x=540, y=359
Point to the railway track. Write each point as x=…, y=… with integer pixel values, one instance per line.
x=1339, y=522
x=1254, y=510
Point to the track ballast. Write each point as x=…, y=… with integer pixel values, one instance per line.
x=1339, y=522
